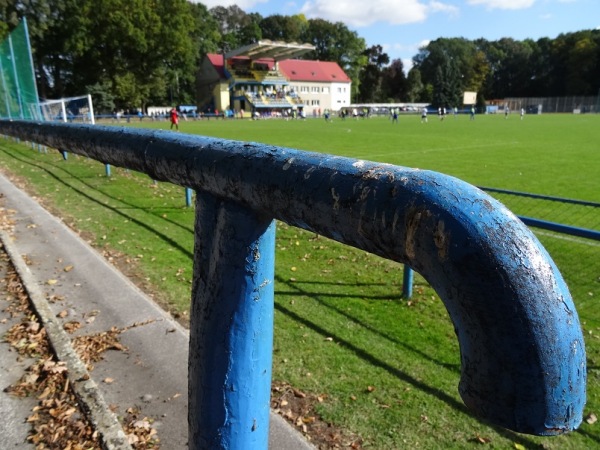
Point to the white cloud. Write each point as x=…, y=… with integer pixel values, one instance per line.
x=436, y=6
x=360, y=13
x=503, y=4
x=243, y=4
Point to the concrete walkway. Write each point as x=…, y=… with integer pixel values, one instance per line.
x=152, y=374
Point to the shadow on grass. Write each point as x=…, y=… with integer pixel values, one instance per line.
x=317, y=297
x=376, y=362
x=116, y=210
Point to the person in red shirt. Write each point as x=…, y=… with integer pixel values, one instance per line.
x=174, y=118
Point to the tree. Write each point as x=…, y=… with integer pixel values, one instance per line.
x=371, y=74
x=335, y=42
x=447, y=85
x=582, y=61
x=284, y=28
x=102, y=98
x=469, y=66
x=394, y=84
x=236, y=27
x=415, y=90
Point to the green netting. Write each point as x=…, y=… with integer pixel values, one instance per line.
x=18, y=91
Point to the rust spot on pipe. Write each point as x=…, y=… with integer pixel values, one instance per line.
x=441, y=238
x=413, y=222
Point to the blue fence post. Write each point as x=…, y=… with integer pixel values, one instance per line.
x=231, y=327
x=107, y=169
x=407, y=282
x=188, y=197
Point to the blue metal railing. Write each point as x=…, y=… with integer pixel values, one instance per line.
x=549, y=225
x=523, y=360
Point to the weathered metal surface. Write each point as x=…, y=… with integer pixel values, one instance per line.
x=522, y=351
x=231, y=327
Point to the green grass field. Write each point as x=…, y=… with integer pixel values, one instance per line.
x=550, y=154
x=385, y=369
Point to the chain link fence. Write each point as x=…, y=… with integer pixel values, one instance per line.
x=576, y=254
x=569, y=104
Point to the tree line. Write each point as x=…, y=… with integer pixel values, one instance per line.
x=134, y=53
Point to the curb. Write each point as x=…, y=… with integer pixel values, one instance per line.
x=104, y=421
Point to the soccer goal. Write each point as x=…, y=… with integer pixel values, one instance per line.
x=72, y=109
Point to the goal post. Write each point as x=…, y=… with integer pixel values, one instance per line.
x=72, y=109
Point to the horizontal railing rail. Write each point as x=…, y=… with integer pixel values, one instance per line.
x=523, y=360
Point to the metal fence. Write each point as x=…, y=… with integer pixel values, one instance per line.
x=539, y=105
x=519, y=334
x=570, y=232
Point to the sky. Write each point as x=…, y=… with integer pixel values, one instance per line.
x=402, y=26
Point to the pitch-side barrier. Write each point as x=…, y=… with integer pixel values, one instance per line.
x=523, y=362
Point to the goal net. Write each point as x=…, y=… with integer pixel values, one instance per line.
x=72, y=109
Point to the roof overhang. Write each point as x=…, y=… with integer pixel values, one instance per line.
x=278, y=51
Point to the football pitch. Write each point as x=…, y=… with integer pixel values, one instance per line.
x=554, y=155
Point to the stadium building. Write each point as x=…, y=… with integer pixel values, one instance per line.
x=265, y=79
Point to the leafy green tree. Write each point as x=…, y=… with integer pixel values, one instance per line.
x=469, y=65
x=394, y=84
x=371, y=74
x=284, y=28
x=102, y=98
x=335, y=42
x=236, y=27
x=205, y=32
x=415, y=90
x=447, y=85
x=581, y=63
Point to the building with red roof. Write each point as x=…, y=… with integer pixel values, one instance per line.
x=262, y=79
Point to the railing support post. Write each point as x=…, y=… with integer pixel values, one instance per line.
x=407, y=282
x=188, y=197
x=231, y=329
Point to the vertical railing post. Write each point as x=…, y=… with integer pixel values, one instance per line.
x=188, y=197
x=407, y=282
x=231, y=329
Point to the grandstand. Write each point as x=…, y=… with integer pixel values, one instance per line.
x=266, y=79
